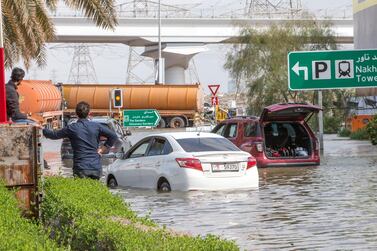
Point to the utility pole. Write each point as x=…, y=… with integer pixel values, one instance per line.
x=320, y=122
x=3, y=107
x=161, y=62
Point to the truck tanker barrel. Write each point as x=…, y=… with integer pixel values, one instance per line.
x=160, y=97
x=37, y=96
x=177, y=104
x=41, y=99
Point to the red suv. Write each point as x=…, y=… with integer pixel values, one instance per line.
x=280, y=137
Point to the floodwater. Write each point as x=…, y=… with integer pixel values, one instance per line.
x=330, y=207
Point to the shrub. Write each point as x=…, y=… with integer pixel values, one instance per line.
x=344, y=132
x=372, y=130
x=16, y=232
x=331, y=124
x=84, y=215
x=360, y=134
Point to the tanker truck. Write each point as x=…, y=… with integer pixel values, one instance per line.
x=42, y=101
x=177, y=104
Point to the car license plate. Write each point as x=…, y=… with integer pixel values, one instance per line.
x=233, y=167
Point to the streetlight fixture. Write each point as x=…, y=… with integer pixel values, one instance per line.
x=161, y=61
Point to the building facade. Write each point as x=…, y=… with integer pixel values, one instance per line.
x=365, y=32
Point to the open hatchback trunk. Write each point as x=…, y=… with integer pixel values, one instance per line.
x=285, y=131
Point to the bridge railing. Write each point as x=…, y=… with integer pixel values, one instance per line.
x=129, y=10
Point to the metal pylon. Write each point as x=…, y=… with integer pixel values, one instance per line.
x=134, y=66
x=82, y=69
x=193, y=75
x=272, y=7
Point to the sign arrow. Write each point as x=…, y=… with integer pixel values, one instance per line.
x=158, y=117
x=297, y=68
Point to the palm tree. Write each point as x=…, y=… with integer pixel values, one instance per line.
x=27, y=26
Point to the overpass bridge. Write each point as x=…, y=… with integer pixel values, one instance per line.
x=143, y=31
x=181, y=38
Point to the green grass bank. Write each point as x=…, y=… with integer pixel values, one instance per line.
x=82, y=214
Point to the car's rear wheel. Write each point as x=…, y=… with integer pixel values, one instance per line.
x=112, y=182
x=163, y=186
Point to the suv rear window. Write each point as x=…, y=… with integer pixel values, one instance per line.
x=250, y=129
x=231, y=131
x=206, y=144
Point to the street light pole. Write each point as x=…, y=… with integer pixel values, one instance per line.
x=3, y=108
x=161, y=62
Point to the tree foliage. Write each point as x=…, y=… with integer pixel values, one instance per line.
x=260, y=60
x=27, y=26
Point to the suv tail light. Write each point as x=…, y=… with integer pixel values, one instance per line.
x=251, y=162
x=316, y=145
x=259, y=146
x=190, y=163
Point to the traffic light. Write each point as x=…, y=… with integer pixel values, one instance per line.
x=117, y=98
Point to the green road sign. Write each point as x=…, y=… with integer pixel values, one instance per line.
x=141, y=118
x=332, y=69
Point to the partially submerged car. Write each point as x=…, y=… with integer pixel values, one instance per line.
x=281, y=136
x=184, y=161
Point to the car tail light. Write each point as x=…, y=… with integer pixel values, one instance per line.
x=190, y=163
x=316, y=145
x=251, y=162
x=259, y=146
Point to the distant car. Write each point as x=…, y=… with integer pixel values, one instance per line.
x=280, y=137
x=184, y=161
x=121, y=145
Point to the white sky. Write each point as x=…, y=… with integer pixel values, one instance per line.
x=110, y=62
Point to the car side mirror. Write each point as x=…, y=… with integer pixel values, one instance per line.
x=127, y=132
x=120, y=155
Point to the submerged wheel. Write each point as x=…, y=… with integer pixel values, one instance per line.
x=112, y=182
x=163, y=186
x=177, y=122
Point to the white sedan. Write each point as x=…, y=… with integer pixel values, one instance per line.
x=184, y=161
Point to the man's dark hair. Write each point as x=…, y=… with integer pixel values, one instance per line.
x=17, y=74
x=82, y=110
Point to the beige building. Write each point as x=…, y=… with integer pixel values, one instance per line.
x=365, y=32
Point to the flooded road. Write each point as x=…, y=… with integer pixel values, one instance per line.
x=330, y=207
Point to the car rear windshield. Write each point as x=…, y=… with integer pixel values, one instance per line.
x=206, y=144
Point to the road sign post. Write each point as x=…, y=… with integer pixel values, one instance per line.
x=214, y=99
x=141, y=118
x=318, y=70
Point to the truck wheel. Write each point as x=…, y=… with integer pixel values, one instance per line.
x=177, y=122
x=162, y=123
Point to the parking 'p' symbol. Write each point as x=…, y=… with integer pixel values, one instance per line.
x=321, y=69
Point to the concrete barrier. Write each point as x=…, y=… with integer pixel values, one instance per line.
x=21, y=164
